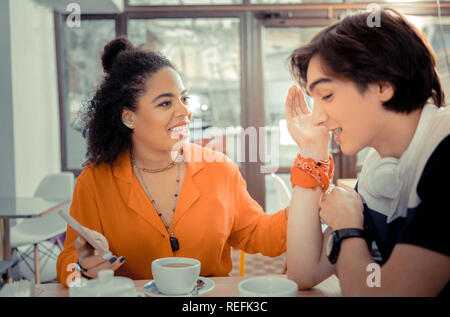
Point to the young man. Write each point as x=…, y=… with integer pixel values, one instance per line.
x=371, y=87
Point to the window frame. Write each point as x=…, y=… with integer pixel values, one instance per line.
x=62, y=84
x=253, y=17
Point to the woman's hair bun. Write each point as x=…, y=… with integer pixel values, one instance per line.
x=112, y=49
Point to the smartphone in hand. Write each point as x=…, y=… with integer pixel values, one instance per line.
x=86, y=235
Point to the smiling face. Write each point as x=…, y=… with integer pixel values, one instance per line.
x=356, y=118
x=162, y=116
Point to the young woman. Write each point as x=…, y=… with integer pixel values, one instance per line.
x=143, y=195
x=372, y=87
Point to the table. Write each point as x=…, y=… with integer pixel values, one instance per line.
x=22, y=207
x=225, y=287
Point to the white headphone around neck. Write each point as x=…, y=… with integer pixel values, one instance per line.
x=384, y=178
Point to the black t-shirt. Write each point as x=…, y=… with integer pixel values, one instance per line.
x=426, y=224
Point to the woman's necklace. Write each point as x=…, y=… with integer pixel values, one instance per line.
x=170, y=228
x=157, y=170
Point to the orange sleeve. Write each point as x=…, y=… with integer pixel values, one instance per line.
x=84, y=210
x=253, y=230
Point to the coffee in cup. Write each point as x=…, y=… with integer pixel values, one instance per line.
x=177, y=265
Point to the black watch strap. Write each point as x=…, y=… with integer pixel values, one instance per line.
x=345, y=233
x=83, y=271
x=337, y=236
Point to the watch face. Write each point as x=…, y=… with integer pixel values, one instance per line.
x=329, y=244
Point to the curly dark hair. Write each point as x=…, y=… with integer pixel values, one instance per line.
x=126, y=70
x=396, y=52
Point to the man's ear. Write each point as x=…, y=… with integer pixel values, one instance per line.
x=385, y=91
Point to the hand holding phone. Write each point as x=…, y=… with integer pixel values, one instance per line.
x=92, y=255
x=86, y=235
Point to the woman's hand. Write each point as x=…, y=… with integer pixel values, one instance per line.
x=342, y=208
x=311, y=139
x=90, y=260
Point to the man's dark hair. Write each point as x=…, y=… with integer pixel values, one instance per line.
x=396, y=52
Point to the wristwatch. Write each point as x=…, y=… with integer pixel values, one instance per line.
x=335, y=239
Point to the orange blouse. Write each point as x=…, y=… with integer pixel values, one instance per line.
x=214, y=213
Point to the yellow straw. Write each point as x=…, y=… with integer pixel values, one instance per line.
x=242, y=264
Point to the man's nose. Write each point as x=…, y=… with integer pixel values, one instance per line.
x=318, y=114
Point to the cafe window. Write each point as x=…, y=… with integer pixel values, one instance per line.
x=180, y=2
x=234, y=65
x=293, y=1
x=278, y=45
x=439, y=37
x=80, y=72
x=206, y=52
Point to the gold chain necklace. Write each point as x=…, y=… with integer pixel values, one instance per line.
x=157, y=170
x=174, y=243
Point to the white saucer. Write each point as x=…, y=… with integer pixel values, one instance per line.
x=151, y=290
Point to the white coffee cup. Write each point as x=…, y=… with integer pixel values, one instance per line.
x=267, y=286
x=175, y=275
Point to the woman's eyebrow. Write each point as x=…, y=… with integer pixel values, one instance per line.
x=167, y=94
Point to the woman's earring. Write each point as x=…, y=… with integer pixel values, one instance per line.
x=128, y=125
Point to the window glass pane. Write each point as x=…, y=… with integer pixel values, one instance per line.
x=273, y=199
x=278, y=45
x=293, y=1
x=439, y=39
x=206, y=51
x=381, y=1
x=180, y=2
x=82, y=71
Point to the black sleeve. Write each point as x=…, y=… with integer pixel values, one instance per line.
x=427, y=226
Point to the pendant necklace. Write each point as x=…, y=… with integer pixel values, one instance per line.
x=175, y=245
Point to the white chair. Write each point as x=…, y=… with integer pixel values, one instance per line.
x=34, y=231
x=284, y=199
x=283, y=193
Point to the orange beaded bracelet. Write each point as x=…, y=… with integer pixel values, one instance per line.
x=308, y=173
